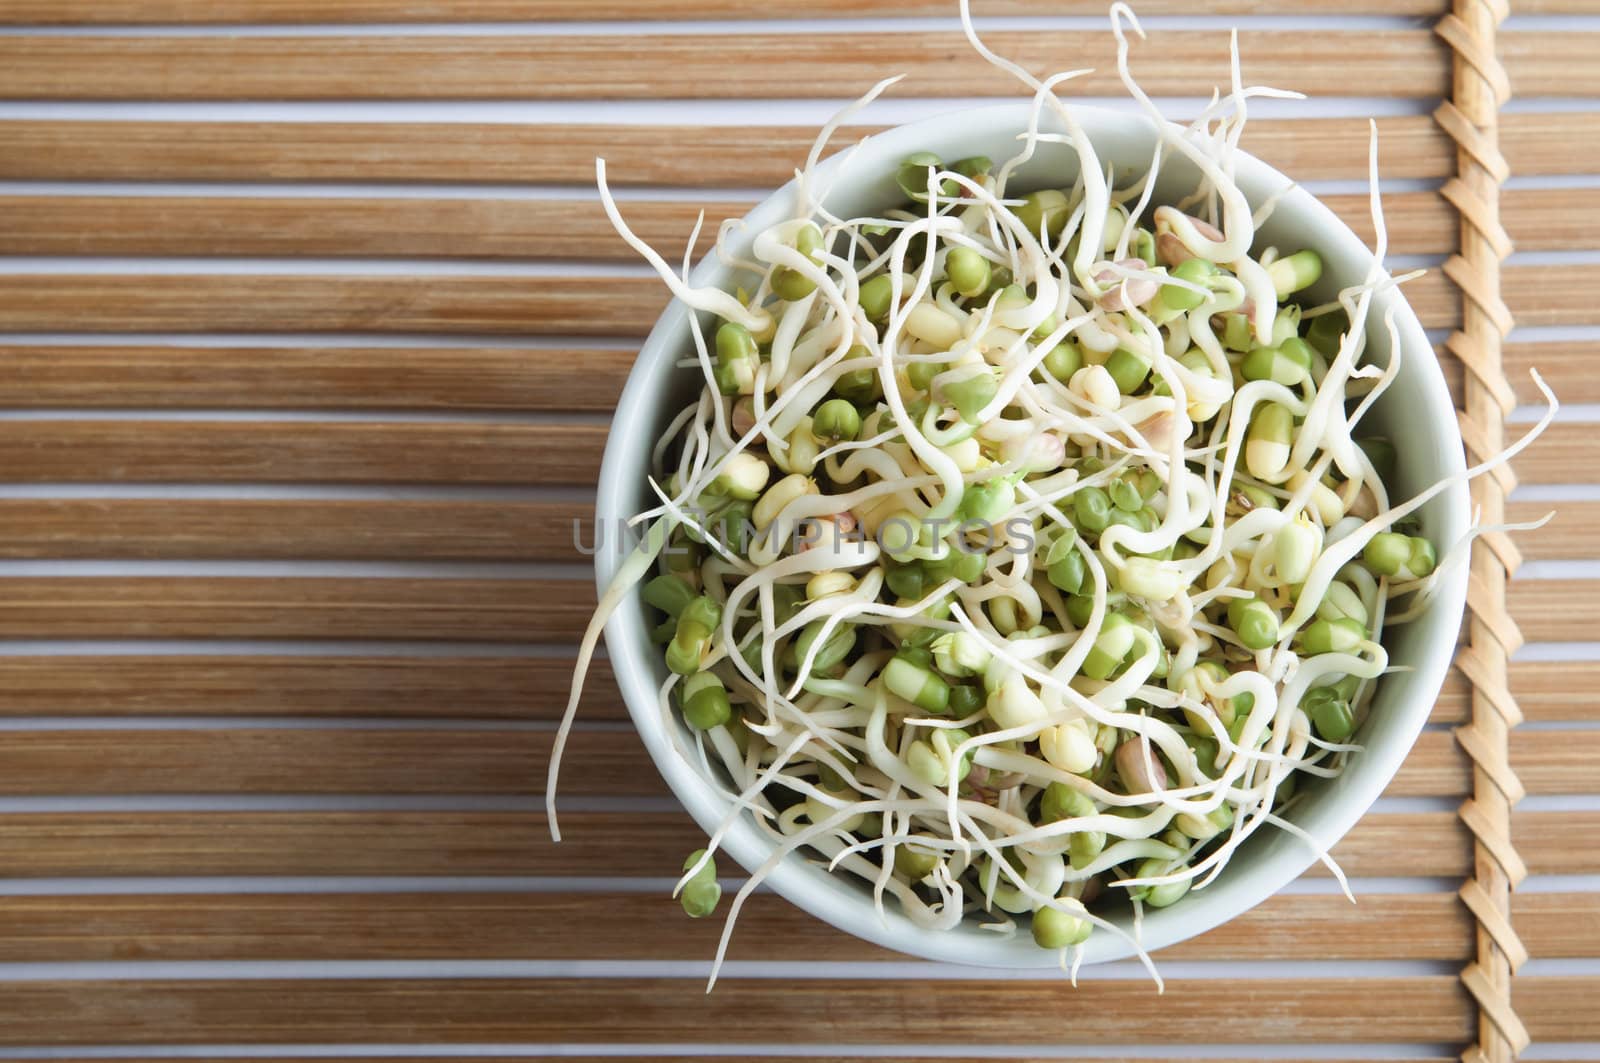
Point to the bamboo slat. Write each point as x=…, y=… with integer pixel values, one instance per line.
x=1406, y=63
x=367, y=378
x=385, y=452
x=155, y=12
x=556, y=926
x=344, y=686
x=1388, y=844
x=565, y=305
x=478, y=378
x=1417, y=222
x=513, y=763
x=384, y=530
x=513, y=926
x=512, y=610
x=704, y=156
x=1425, y=1009
x=300, y=451
x=296, y=608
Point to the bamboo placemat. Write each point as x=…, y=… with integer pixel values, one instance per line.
x=313, y=325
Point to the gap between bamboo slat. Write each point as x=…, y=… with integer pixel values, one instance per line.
x=573, y=305
x=1428, y=1009
x=609, y=844
x=462, y=378
x=388, y=530
x=566, y=229
x=702, y=156
x=602, y=926
x=1408, y=63
x=513, y=763
x=155, y=12
x=449, y=609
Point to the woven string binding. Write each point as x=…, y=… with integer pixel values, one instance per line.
x=1471, y=118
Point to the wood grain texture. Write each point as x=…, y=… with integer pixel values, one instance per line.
x=880, y=1011
x=346, y=686
x=69, y=451
x=507, y=610
x=1406, y=63
x=514, y=610
x=595, y=843
x=513, y=763
x=156, y=12
x=524, y=926
x=577, y=229
x=618, y=306
x=701, y=156
x=385, y=530
x=478, y=378
x=300, y=452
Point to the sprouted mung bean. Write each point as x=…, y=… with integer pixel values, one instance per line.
x=1020, y=548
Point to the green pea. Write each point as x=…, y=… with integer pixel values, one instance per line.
x=965, y=700
x=989, y=501
x=833, y=652
x=1254, y=621
x=1333, y=719
x=973, y=166
x=1424, y=559
x=1045, y=210
x=1294, y=272
x=662, y=633
x=972, y=394
x=1055, y=929
x=1125, y=495
x=699, y=898
x=1088, y=465
x=705, y=701
x=1063, y=360
x=1060, y=801
x=906, y=581
x=1066, y=572
x=1111, y=647
x=1143, y=245
x=915, y=862
x=875, y=296
x=968, y=271
x=1387, y=553
x=1326, y=330
x=737, y=359
x=1193, y=270
x=1128, y=368
x=1091, y=509
x=1236, y=333
x=913, y=173
x=921, y=374
x=791, y=285
x=1079, y=609
x=969, y=568
x=1205, y=750
x=836, y=420
x=917, y=683
x=668, y=594
x=1277, y=364
x=787, y=600
x=1332, y=636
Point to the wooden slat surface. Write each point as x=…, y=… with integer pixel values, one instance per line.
x=1417, y=223
x=137, y=12
x=300, y=452
x=513, y=763
x=204, y=607
x=1406, y=63
x=872, y=1011
x=478, y=378
x=567, y=305
x=518, y=926
x=604, y=926
x=596, y=843
x=363, y=530
x=121, y=451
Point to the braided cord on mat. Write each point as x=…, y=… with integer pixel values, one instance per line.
x=1471, y=118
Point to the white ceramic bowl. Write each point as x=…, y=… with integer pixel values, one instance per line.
x=1416, y=413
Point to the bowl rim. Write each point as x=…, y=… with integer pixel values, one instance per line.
x=619, y=479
